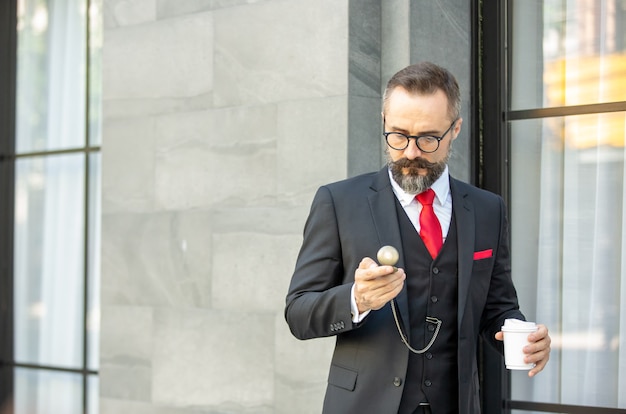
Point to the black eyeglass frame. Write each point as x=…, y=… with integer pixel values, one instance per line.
x=417, y=138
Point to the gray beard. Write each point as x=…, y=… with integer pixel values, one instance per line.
x=413, y=182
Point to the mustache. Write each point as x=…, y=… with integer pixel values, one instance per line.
x=414, y=164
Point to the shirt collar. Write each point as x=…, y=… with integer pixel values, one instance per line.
x=441, y=187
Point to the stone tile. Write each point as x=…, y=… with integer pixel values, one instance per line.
x=119, y=406
x=301, y=371
x=275, y=51
x=365, y=48
x=158, y=60
x=447, y=22
x=460, y=157
x=269, y=220
x=225, y=157
x=171, y=8
x=145, y=107
x=312, y=148
x=128, y=165
x=128, y=12
x=395, y=29
x=251, y=271
x=365, y=142
x=193, y=277
x=225, y=129
x=156, y=259
x=214, y=359
x=126, y=352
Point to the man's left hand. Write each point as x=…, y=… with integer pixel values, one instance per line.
x=537, y=351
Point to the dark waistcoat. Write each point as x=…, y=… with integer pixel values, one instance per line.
x=432, y=290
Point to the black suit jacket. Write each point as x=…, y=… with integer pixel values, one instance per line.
x=352, y=219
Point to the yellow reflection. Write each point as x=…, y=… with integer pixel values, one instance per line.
x=596, y=130
x=589, y=80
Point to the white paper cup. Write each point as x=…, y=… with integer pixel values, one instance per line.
x=515, y=339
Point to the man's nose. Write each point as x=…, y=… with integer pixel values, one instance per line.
x=412, y=151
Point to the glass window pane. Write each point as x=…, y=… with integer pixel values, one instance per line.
x=95, y=72
x=568, y=220
x=50, y=93
x=93, y=310
x=49, y=252
x=567, y=53
x=93, y=394
x=47, y=392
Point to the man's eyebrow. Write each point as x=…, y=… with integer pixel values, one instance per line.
x=405, y=132
x=396, y=129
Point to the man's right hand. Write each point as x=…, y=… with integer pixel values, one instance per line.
x=376, y=285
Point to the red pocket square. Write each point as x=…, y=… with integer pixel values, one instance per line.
x=483, y=254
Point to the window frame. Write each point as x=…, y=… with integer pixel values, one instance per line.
x=491, y=166
x=8, y=44
x=8, y=158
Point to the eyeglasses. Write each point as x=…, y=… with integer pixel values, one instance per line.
x=425, y=143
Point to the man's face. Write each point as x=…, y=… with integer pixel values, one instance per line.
x=413, y=114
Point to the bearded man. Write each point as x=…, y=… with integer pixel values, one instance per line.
x=406, y=336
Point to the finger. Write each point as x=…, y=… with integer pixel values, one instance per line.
x=375, y=272
x=537, y=343
x=539, y=358
x=385, y=284
x=539, y=366
x=499, y=336
x=378, y=293
x=384, y=298
x=366, y=263
x=537, y=350
x=540, y=333
x=536, y=355
x=385, y=270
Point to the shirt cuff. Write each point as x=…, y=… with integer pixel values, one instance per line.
x=354, y=309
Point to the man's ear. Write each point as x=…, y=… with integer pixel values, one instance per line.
x=457, y=128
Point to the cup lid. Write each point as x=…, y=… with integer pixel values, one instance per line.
x=518, y=325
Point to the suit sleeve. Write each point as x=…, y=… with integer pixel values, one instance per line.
x=318, y=300
x=502, y=302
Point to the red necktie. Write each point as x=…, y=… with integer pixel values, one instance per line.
x=430, y=229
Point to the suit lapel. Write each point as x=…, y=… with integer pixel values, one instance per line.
x=382, y=204
x=464, y=214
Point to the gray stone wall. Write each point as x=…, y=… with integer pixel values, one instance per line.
x=441, y=32
x=221, y=119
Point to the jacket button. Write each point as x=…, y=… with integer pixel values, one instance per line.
x=397, y=381
x=428, y=355
x=436, y=270
x=428, y=383
x=434, y=299
x=431, y=328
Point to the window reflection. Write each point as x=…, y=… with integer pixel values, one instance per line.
x=49, y=251
x=93, y=309
x=51, y=76
x=45, y=392
x=568, y=52
x=568, y=239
